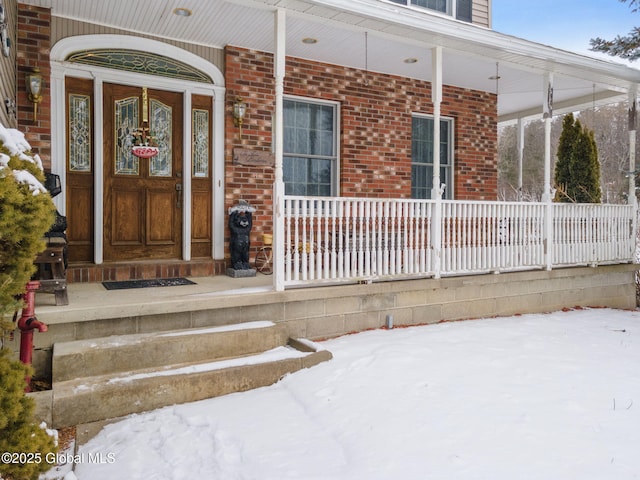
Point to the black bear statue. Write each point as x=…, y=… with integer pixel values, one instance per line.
x=240, y=222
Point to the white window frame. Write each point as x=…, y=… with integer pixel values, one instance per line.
x=335, y=177
x=451, y=8
x=449, y=193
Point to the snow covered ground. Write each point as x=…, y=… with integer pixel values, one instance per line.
x=554, y=396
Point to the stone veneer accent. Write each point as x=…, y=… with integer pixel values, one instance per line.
x=375, y=123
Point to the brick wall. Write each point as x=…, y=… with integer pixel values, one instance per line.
x=375, y=137
x=32, y=50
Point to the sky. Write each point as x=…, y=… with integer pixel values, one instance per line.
x=565, y=24
x=546, y=396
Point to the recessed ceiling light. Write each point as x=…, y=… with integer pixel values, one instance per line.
x=182, y=12
x=411, y=60
x=309, y=40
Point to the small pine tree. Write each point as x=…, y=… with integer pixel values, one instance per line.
x=19, y=434
x=577, y=170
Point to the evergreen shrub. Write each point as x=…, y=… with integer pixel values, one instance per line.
x=26, y=214
x=26, y=447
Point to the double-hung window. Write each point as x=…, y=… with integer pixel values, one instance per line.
x=460, y=9
x=422, y=156
x=310, y=162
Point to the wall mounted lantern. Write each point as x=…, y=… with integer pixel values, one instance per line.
x=239, y=111
x=34, y=89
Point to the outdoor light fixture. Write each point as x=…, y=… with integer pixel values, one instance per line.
x=182, y=12
x=34, y=89
x=239, y=111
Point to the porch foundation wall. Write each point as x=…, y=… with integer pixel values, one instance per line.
x=331, y=311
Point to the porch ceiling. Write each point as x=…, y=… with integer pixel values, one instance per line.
x=472, y=54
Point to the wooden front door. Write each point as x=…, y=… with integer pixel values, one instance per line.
x=142, y=197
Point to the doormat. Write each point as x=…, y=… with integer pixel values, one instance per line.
x=156, y=282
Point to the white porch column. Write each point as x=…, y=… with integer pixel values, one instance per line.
x=632, y=144
x=547, y=114
x=436, y=190
x=98, y=179
x=217, y=165
x=520, y=147
x=58, y=125
x=277, y=127
x=186, y=178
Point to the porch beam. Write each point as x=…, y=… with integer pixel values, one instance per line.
x=278, y=143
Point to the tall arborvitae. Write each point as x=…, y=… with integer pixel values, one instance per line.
x=577, y=171
x=585, y=169
x=566, y=144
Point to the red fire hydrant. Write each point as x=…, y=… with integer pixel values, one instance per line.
x=27, y=324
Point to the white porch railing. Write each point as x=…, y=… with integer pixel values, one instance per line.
x=357, y=239
x=592, y=234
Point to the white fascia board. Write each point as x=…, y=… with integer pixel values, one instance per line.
x=450, y=32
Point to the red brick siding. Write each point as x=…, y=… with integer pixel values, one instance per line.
x=250, y=76
x=375, y=136
x=32, y=50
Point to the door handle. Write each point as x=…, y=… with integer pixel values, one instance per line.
x=179, y=196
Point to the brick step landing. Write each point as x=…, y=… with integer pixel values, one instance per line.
x=103, y=378
x=143, y=270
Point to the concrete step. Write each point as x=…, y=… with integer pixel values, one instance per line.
x=123, y=353
x=90, y=399
x=110, y=377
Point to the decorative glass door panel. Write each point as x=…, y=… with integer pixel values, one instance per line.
x=79, y=133
x=161, y=130
x=201, y=143
x=127, y=121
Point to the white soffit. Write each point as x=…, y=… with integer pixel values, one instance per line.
x=394, y=33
